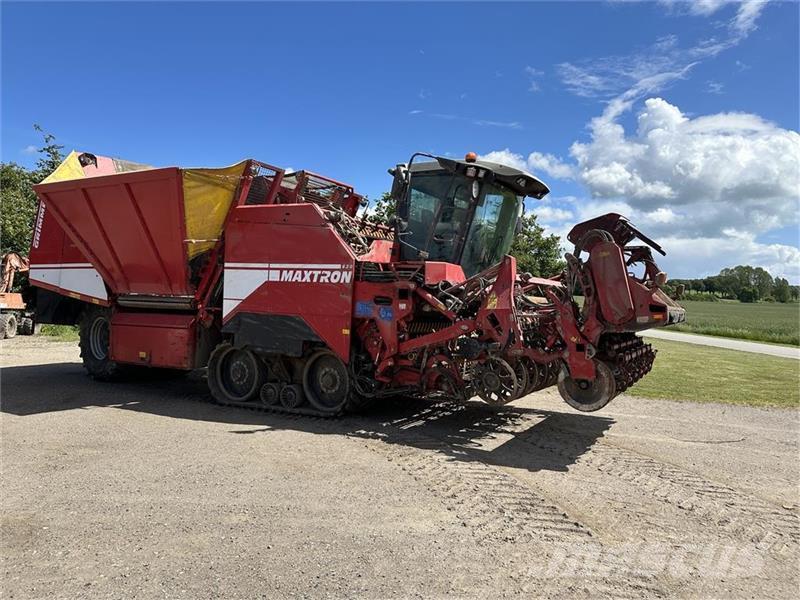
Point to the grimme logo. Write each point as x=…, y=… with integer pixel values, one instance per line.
x=315, y=276
x=37, y=231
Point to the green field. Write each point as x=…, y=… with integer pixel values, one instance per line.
x=705, y=374
x=763, y=322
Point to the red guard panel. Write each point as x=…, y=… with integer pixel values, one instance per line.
x=130, y=226
x=286, y=259
x=611, y=282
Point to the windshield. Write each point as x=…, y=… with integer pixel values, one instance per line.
x=492, y=231
x=440, y=208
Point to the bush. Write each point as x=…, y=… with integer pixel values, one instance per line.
x=700, y=297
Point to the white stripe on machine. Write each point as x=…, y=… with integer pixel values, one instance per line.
x=80, y=278
x=242, y=279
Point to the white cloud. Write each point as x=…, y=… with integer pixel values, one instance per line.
x=533, y=74
x=714, y=87
x=506, y=157
x=549, y=164
x=549, y=214
x=30, y=149
x=706, y=187
x=478, y=122
x=537, y=163
x=728, y=170
x=506, y=124
x=693, y=257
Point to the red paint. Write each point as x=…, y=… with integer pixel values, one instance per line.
x=153, y=339
x=295, y=234
x=115, y=219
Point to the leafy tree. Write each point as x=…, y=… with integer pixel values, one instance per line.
x=18, y=207
x=384, y=209
x=17, y=199
x=536, y=253
x=50, y=155
x=782, y=291
x=748, y=294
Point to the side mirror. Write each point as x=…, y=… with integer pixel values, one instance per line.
x=400, y=224
x=400, y=175
x=518, y=227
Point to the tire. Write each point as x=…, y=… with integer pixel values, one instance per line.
x=3, y=326
x=26, y=326
x=9, y=325
x=235, y=374
x=95, y=344
x=326, y=382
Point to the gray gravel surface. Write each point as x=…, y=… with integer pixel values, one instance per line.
x=143, y=489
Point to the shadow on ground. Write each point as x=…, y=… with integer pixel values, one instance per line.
x=513, y=436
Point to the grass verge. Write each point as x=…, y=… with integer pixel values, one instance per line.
x=704, y=374
x=62, y=333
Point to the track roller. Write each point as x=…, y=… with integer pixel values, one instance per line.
x=270, y=394
x=291, y=396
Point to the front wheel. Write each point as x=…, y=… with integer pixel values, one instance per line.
x=235, y=374
x=8, y=326
x=95, y=344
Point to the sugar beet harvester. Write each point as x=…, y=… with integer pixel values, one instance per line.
x=270, y=280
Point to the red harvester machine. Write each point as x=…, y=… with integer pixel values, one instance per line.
x=271, y=281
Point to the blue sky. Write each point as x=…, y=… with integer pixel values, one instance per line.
x=683, y=116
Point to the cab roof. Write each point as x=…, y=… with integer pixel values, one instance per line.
x=521, y=182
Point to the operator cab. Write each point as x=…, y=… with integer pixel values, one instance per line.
x=463, y=212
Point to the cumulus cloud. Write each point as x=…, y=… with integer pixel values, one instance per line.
x=536, y=162
x=723, y=171
x=708, y=256
x=706, y=186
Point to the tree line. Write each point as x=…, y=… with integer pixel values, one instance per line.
x=743, y=283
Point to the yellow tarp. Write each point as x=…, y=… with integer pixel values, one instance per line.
x=70, y=168
x=207, y=196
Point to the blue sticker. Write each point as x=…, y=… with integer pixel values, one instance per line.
x=363, y=309
x=386, y=313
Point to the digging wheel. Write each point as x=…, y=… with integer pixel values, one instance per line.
x=235, y=374
x=586, y=395
x=326, y=382
x=521, y=371
x=496, y=382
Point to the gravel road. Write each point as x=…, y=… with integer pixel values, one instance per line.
x=143, y=489
x=721, y=342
